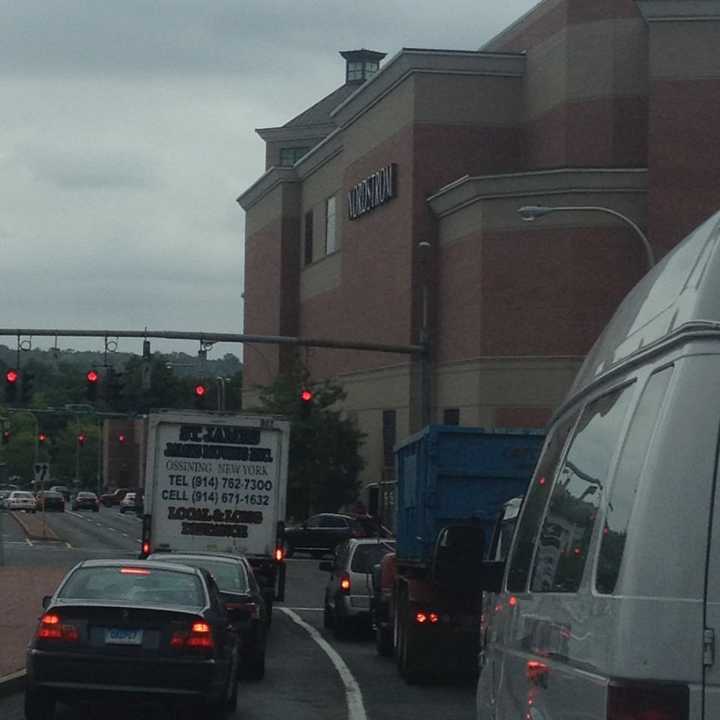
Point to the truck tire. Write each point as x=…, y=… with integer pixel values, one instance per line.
x=408, y=659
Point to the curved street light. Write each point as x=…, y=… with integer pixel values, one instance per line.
x=534, y=212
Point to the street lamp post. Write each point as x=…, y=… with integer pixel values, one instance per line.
x=534, y=212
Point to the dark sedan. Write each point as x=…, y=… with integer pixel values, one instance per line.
x=322, y=533
x=128, y=631
x=243, y=600
x=50, y=500
x=86, y=501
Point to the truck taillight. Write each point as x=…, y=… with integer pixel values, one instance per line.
x=647, y=701
x=279, y=554
x=423, y=617
x=51, y=627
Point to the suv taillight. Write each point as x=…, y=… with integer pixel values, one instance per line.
x=51, y=627
x=647, y=701
x=345, y=584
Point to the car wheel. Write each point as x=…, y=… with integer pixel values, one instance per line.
x=327, y=617
x=383, y=641
x=256, y=668
x=39, y=705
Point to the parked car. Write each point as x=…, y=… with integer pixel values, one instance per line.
x=113, y=498
x=349, y=588
x=243, y=600
x=64, y=490
x=609, y=605
x=21, y=500
x=4, y=495
x=322, y=533
x=86, y=501
x=126, y=630
x=49, y=500
x=128, y=503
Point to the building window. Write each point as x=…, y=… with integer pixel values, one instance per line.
x=308, y=237
x=451, y=416
x=355, y=71
x=389, y=436
x=289, y=156
x=330, y=239
x=571, y=515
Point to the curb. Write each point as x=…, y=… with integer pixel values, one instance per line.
x=12, y=683
x=30, y=533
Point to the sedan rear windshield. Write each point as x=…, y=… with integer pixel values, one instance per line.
x=22, y=495
x=368, y=555
x=134, y=585
x=229, y=576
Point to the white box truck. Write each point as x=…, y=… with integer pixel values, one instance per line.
x=217, y=482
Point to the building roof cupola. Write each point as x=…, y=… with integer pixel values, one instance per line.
x=361, y=65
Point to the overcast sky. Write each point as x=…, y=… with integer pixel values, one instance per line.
x=127, y=132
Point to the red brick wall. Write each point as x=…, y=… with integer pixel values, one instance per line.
x=684, y=158
x=551, y=292
x=547, y=20
x=263, y=281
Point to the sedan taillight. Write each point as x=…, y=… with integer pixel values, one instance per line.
x=199, y=638
x=51, y=627
x=251, y=609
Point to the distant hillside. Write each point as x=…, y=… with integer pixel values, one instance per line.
x=183, y=365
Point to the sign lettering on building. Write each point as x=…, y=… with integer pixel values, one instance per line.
x=372, y=192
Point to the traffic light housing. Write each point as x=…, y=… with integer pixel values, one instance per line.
x=11, y=384
x=200, y=391
x=307, y=398
x=93, y=379
x=114, y=383
x=26, y=389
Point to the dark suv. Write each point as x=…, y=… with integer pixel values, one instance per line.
x=321, y=533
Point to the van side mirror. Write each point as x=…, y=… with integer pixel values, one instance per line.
x=46, y=601
x=457, y=556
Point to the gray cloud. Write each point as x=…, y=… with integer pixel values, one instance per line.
x=128, y=130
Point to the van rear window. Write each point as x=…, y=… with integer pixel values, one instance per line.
x=568, y=527
x=535, y=506
x=627, y=479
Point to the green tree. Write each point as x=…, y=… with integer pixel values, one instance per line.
x=325, y=458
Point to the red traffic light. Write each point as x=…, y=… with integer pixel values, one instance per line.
x=92, y=376
x=306, y=396
x=12, y=376
x=42, y=437
x=200, y=390
x=81, y=438
x=6, y=437
x=122, y=438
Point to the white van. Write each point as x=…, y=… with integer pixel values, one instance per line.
x=609, y=606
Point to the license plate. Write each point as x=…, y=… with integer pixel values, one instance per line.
x=123, y=636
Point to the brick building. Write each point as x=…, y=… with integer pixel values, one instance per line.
x=405, y=182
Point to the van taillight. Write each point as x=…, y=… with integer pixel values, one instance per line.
x=345, y=584
x=647, y=701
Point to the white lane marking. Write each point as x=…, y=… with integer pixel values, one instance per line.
x=99, y=524
x=69, y=546
x=28, y=542
x=353, y=694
